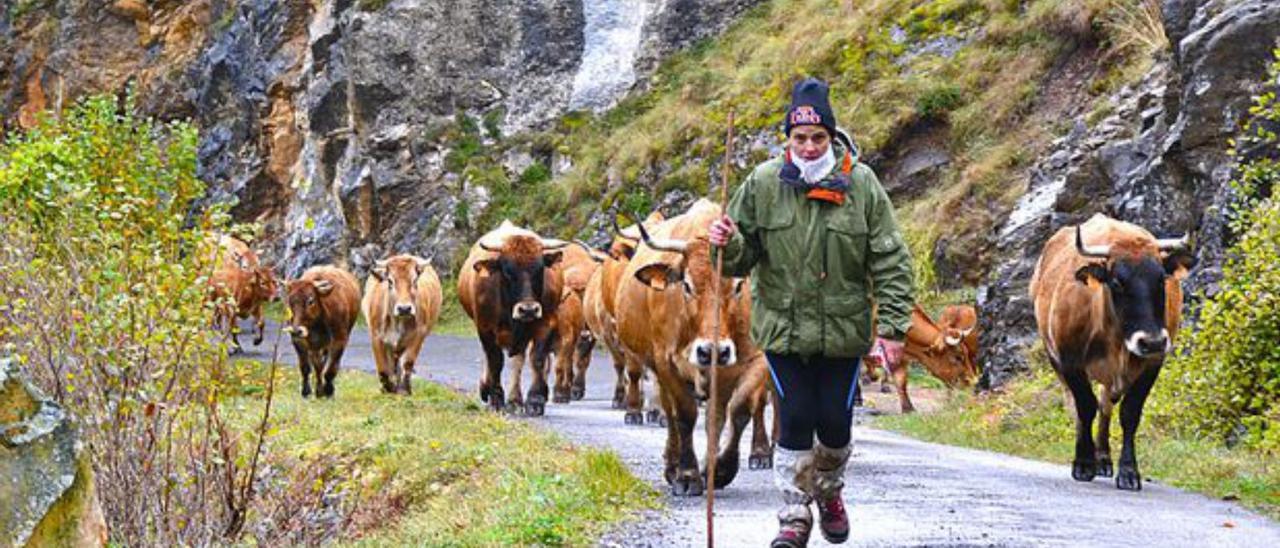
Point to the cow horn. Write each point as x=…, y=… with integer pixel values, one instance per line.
x=595, y=254
x=552, y=244
x=676, y=246
x=1170, y=244
x=380, y=263
x=1091, y=251
x=494, y=244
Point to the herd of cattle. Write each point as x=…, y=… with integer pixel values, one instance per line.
x=1106, y=296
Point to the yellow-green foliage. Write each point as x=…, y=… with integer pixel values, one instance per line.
x=1224, y=383
x=458, y=475
x=1031, y=417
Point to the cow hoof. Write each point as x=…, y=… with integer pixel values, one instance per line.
x=634, y=418
x=1128, y=479
x=535, y=409
x=560, y=397
x=885, y=389
x=726, y=470
x=662, y=420
x=514, y=407
x=619, y=403
x=687, y=486
x=1084, y=470
x=1104, y=468
x=306, y=392
x=760, y=462
x=577, y=393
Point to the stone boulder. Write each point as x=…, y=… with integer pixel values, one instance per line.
x=46, y=479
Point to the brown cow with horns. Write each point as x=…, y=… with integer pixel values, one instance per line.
x=510, y=290
x=1108, y=300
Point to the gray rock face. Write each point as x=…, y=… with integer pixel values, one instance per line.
x=1160, y=161
x=47, y=485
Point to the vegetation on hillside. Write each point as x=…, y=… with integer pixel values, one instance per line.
x=103, y=302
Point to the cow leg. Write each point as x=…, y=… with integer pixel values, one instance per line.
x=514, y=388
x=319, y=360
x=652, y=410
x=491, y=377
x=761, y=450
x=406, y=373
x=738, y=412
x=1085, y=465
x=1127, y=476
x=899, y=371
x=380, y=361
x=304, y=368
x=620, y=387
x=586, y=343
x=260, y=322
x=1102, y=441
x=634, y=397
x=536, y=402
x=884, y=378
x=331, y=370
x=564, y=371
x=688, y=480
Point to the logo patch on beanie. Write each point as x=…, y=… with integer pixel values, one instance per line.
x=805, y=115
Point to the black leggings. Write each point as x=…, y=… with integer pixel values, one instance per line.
x=814, y=395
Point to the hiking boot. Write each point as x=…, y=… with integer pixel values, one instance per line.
x=791, y=535
x=791, y=474
x=828, y=481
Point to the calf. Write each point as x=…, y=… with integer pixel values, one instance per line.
x=401, y=303
x=573, y=349
x=239, y=286
x=926, y=344
x=323, y=305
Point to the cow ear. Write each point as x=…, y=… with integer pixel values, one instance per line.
x=1097, y=271
x=738, y=285
x=1177, y=264
x=379, y=272
x=323, y=286
x=486, y=265
x=656, y=275
x=550, y=258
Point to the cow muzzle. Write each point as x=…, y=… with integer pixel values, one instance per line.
x=404, y=310
x=526, y=312
x=701, y=351
x=1144, y=344
x=295, y=331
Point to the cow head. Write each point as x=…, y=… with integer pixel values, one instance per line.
x=957, y=322
x=949, y=363
x=626, y=240
x=522, y=265
x=305, y=309
x=1133, y=274
x=691, y=274
x=400, y=274
x=265, y=285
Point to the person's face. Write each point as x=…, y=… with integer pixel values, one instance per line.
x=809, y=142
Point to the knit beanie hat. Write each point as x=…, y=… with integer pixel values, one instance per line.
x=810, y=106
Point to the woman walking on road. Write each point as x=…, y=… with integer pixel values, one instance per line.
x=817, y=233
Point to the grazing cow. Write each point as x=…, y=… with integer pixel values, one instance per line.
x=240, y=286
x=1108, y=301
x=600, y=304
x=573, y=349
x=926, y=343
x=666, y=322
x=510, y=289
x=323, y=306
x=401, y=303
x=959, y=325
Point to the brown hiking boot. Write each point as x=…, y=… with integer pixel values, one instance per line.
x=794, y=534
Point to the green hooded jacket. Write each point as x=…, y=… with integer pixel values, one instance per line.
x=816, y=265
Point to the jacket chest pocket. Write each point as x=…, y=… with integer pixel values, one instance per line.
x=777, y=221
x=846, y=245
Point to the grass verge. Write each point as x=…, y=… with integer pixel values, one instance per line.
x=435, y=469
x=1029, y=418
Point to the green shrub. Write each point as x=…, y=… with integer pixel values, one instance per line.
x=939, y=101
x=1225, y=381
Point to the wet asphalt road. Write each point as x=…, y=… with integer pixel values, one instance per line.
x=901, y=492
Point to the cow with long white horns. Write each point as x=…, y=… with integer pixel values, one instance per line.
x=510, y=290
x=1108, y=301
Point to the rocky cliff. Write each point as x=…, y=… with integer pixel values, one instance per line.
x=331, y=122
x=1160, y=160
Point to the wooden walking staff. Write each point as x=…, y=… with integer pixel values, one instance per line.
x=713, y=438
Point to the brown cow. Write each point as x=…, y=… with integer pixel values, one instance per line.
x=239, y=285
x=401, y=303
x=926, y=344
x=573, y=349
x=666, y=322
x=510, y=290
x=1108, y=301
x=323, y=306
x=600, y=304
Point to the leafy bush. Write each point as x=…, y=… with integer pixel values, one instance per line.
x=103, y=300
x=1225, y=381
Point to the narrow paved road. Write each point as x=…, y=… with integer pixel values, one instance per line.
x=902, y=492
